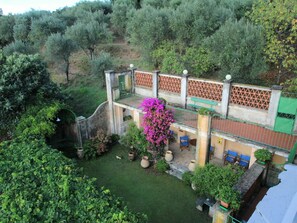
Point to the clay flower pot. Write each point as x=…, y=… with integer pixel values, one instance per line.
x=145, y=163
x=168, y=156
x=192, y=165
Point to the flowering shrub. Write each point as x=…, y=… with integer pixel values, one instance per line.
x=156, y=122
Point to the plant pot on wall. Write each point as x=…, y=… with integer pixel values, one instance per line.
x=224, y=204
x=80, y=153
x=145, y=163
x=168, y=156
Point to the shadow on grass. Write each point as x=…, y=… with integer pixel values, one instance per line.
x=162, y=197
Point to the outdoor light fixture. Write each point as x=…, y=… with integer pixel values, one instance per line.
x=185, y=72
x=131, y=65
x=228, y=77
x=58, y=120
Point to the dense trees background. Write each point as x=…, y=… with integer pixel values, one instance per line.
x=210, y=38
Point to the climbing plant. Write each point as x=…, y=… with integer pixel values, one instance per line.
x=156, y=122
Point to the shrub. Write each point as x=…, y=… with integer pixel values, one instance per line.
x=187, y=178
x=90, y=149
x=135, y=139
x=263, y=155
x=210, y=178
x=39, y=184
x=162, y=166
x=230, y=196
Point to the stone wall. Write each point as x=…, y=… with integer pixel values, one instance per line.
x=98, y=120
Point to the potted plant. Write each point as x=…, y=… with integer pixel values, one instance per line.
x=80, y=152
x=229, y=198
x=132, y=153
x=263, y=156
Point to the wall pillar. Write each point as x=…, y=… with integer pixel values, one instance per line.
x=273, y=105
x=110, y=81
x=203, y=138
x=220, y=216
x=118, y=111
x=225, y=97
x=184, y=89
x=136, y=118
x=253, y=158
x=155, y=83
x=133, y=79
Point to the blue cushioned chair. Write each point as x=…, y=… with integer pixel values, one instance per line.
x=230, y=157
x=184, y=142
x=244, y=161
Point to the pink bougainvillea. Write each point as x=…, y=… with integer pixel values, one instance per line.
x=156, y=122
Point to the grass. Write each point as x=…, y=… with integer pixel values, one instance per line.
x=161, y=197
x=86, y=94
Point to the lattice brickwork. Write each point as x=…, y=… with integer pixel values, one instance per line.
x=143, y=79
x=170, y=84
x=211, y=91
x=250, y=97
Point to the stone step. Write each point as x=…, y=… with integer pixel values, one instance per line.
x=177, y=170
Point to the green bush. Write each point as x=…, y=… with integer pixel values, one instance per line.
x=90, y=149
x=210, y=178
x=187, y=178
x=135, y=139
x=162, y=166
x=263, y=155
x=230, y=196
x=39, y=184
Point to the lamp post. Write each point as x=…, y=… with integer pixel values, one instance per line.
x=132, y=68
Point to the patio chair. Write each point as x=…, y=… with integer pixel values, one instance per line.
x=230, y=157
x=244, y=161
x=211, y=152
x=184, y=142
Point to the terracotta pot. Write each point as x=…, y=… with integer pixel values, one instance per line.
x=145, y=163
x=192, y=165
x=224, y=204
x=193, y=186
x=131, y=156
x=80, y=153
x=168, y=156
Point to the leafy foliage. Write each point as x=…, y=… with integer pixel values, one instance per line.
x=135, y=139
x=59, y=49
x=236, y=48
x=172, y=59
x=156, y=121
x=90, y=149
x=101, y=63
x=263, y=155
x=216, y=177
x=38, y=121
x=120, y=14
x=230, y=196
x=278, y=18
x=89, y=32
x=6, y=29
x=161, y=166
x=187, y=177
x=39, y=184
x=18, y=46
x=24, y=81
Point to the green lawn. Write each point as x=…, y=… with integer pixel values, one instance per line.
x=86, y=94
x=162, y=197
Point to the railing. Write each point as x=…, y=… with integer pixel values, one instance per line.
x=250, y=96
x=170, y=83
x=143, y=79
x=205, y=89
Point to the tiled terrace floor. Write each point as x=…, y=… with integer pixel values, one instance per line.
x=181, y=116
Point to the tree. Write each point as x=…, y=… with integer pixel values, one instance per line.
x=43, y=27
x=120, y=15
x=6, y=30
x=18, y=46
x=59, y=49
x=24, y=81
x=237, y=49
x=148, y=27
x=101, y=63
x=23, y=22
x=156, y=122
x=88, y=33
x=278, y=18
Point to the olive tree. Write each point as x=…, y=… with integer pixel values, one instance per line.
x=237, y=49
x=59, y=49
x=6, y=29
